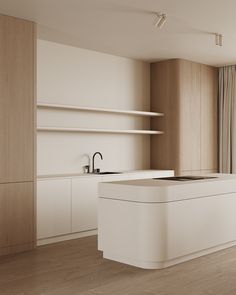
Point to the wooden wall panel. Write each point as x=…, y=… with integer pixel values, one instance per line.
x=17, y=215
x=186, y=92
x=3, y=218
x=190, y=109
x=17, y=134
x=209, y=118
x=165, y=99
x=17, y=74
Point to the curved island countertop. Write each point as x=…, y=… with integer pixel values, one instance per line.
x=154, y=223
x=157, y=190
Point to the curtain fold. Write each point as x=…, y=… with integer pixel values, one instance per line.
x=227, y=119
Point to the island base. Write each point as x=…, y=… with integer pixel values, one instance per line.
x=165, y=264
x=158, y=235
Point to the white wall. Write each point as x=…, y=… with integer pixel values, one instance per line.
x=70, y=75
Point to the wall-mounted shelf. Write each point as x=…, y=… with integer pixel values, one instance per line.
x=77, y=108
x=64, y=129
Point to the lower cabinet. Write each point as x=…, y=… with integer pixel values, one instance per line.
x=17, y=217
x=84, y=203
x=53, y=207
x=66, y=206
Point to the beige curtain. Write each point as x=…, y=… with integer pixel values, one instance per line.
x=227, y=119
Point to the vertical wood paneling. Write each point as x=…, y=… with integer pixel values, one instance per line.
x=16, y=100
x=165, y=99
x=17, y=134
x=186, y=92
x=190, y=110
x=17, y=216
x=209, y=114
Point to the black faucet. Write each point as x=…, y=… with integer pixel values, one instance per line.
x=96, y=170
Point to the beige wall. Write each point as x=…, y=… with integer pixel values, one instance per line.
x=70, y=75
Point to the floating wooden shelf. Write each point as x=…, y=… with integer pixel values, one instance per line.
x=74, y=108
x=66, y=129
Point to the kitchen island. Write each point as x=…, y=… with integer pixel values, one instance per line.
x=156, y=223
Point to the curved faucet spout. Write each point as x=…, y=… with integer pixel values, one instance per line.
x=97, y=153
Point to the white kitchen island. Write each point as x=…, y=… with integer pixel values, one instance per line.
x=153, y=223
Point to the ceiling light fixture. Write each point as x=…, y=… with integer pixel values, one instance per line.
x=218, y=39
x=160, y=20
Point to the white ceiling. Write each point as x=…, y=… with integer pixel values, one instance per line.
x=125, y=27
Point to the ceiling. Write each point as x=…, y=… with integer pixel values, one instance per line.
x=125, y=27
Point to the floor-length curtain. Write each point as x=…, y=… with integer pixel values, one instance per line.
x=227, y=119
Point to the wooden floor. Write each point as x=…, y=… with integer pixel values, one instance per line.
x=76, y=267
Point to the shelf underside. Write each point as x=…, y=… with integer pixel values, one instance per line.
x=77, y=108
x=64, y=129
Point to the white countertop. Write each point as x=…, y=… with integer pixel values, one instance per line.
x=159, y=191
x=70, y=175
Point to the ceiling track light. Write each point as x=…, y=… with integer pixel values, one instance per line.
x=218, y=39
x=160, y=20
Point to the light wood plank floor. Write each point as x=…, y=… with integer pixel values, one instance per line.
x=76, y=267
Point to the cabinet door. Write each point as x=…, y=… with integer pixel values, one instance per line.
x=190, y=115
x=53, y=208
x=84, y=203
x=17, y=52
x=209, y=120
x=17, y=215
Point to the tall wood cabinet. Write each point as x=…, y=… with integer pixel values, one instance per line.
x=17, y=134
x=186, y=92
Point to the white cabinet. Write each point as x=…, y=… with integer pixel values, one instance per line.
x=68, y=206
x=84, y=203
x=53, y=207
